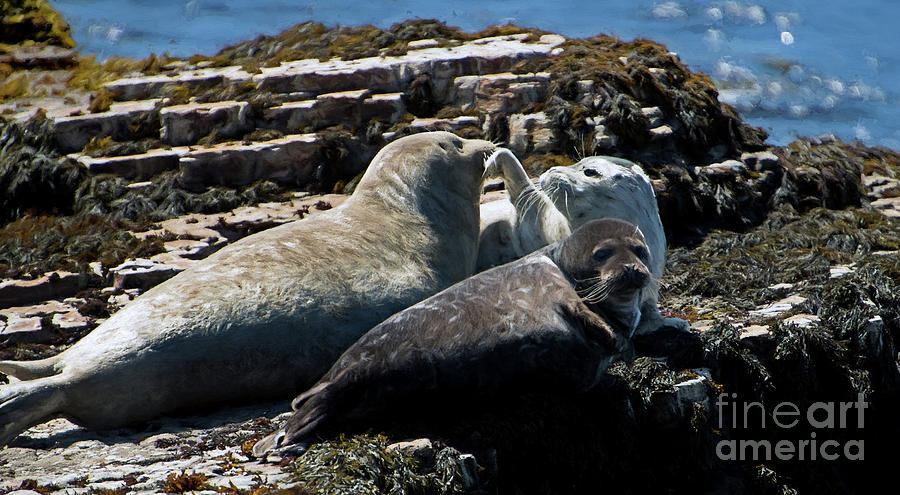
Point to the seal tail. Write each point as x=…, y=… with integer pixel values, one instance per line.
x=29, y=370
x=25, y=404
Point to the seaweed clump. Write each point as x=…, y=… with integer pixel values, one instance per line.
x=315, y=40
x=56, y=216
x=33, y=176
x=848, y=354
x=33, y=245
x=810, y=174
x=364, y=465
x=737, y=269
x=33, y=20
x=627, y=76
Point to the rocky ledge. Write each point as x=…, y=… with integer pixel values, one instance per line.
x=785, y=260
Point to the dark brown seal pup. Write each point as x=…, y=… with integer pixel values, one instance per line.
x=556, y=318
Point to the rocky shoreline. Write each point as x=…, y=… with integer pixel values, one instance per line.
x=786, y=260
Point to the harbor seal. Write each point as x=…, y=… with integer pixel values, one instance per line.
x=553, y=320
x=563, y=199
x=266, y=316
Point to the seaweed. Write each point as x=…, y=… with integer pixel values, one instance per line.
x=315, y=40
x=364, y=465
x=642, y=73
x=33, y=176
x=34, y=245
x=33, y=20
x=185, y=482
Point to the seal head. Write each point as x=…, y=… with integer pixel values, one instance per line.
x=607, y=264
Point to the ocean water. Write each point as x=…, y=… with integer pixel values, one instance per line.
x=795, y=68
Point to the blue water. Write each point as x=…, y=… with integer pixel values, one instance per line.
x=793, y=67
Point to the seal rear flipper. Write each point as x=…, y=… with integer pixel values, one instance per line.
x=25, y=404
x=293, y=438
x=29, y=370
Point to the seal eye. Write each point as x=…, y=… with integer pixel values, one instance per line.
x=591, y=172
x=601, y=254
x=641, y=252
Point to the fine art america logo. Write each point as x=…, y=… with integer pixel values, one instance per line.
x=822, y=417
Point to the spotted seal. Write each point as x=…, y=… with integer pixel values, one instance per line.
x=266, y=316
x=557, y=317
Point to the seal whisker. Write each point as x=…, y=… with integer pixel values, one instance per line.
x=597, y=291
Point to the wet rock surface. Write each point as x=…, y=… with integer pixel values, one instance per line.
x=786, y=260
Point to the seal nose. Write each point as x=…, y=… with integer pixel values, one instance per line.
x=635, y=276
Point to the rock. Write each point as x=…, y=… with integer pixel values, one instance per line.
x=23, y=492
x=118, y=301
x=505, y=92
x=661, y=132
x=670, y=405
x=838, y=271
x=37, y=56
x=287, y=160
x=802, y=320
x=454, y=124
x=702, y=325
x=392, y=74
x=188, y=248
x=758, y=338
x=778, y=307
x=42, y=309
x=29, y=330
x=728, y=168
x=890, y=188
x=603, y=139
x=71, y=321
x=144, y=274
x=422, y=450
x=54, y=285
x=530, y=133
x=60, y=453
x=387, y=107
x=72, y=133
x=186, y=124
x=654, y=115
x=420, y=44
x=888, y=206
x=691, y=391
x=134, y=167
x=352, y=108
x=469, y=470
x=761, y=160
x=781, y=287
x=143, y=87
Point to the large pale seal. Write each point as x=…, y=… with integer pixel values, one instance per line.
x=556, y=318
x=565, y=198
x=267, y=315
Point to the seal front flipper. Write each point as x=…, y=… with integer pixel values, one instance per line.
x=29, y=370
x=537, y=221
